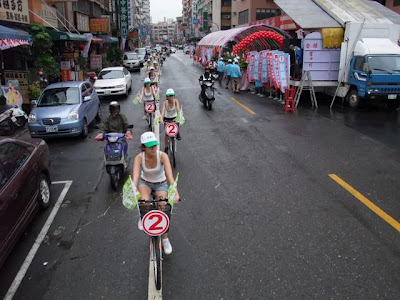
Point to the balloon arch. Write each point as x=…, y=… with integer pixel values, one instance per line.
x=271, y=35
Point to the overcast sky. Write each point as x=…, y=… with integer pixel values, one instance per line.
x=165, y=8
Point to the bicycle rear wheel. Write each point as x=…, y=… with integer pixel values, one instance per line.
x=156, y=260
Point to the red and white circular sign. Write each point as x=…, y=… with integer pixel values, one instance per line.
x=149, y=106
x=171, y=129
x=155, y=222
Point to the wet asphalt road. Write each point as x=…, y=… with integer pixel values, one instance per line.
x=260, y=217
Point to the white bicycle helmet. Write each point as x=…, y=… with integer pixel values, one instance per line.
x=170, y=92
x=147, y=80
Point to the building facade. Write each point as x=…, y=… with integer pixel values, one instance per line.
x=222, y=14
x=248, y=11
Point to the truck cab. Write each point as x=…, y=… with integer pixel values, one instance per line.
x=374, y=72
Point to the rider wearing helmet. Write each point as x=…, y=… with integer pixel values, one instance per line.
x=148, y=95
x=203, y=78
x=116, y=122
x=156, y=67
x=169, y=112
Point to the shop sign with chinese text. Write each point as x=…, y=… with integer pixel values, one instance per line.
x=14, y=11
x=42, y=13
x=82, y=22
x=100, y=25
x=123, y=17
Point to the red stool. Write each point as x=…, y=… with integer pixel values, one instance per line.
x=289, y=99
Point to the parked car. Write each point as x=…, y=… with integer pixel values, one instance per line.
x=24, y=187
x=64, y=109
x=131, y=61
x=113, y=81
x=186, y=50
x=173, y=49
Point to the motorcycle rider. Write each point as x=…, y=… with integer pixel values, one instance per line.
x=207, y=76
x=117, y=122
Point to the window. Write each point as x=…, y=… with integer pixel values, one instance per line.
x=226, y=3
x=12, y=157
x=358, y=65
x=263, y=13
x=244, y=17
x=225, y=16
x=396, y=2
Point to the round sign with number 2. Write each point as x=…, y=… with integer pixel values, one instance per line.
x=171, y=129
x=149, y=106
x=155, y=222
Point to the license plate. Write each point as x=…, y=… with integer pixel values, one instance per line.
x=107, y=92
x=392, y=96
x=51, y=129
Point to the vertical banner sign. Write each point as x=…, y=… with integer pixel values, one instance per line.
x=276, y=70
x=85, y=51
x=270, y=69
x=205, y=21
x=256, y=69
x=209, y=54
x=250, y=67
x=65, y=67
x=263, y=66
x=123, y=17
x=283, y=76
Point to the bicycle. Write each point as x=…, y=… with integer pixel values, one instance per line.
x=150, y=108
x=155, y=230
x=171, y=130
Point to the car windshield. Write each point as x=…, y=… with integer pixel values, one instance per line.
x=59, y=96
x=111, y=74
x=387, y=63
x=131, y=56
x=142, y=51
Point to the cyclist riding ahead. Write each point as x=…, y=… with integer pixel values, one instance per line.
x=152, y=172
x=169, y=111
x=148, y=95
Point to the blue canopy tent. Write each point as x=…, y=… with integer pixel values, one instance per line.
x=10, y=37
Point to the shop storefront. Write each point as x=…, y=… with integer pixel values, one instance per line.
x=14, y=43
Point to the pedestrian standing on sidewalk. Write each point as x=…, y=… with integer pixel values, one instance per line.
x=228, y=72
x=235, y=75
x=220, y=70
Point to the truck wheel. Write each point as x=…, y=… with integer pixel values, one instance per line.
x=393, y=104
x=353, y=99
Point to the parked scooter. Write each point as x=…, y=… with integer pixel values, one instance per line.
x=115, y=155
x=209, y=94
x=11, y=118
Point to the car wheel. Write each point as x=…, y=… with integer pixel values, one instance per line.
x=85, y=129
x=98, y=115
x=353, y=99
x=127, y=91
x=44, y=193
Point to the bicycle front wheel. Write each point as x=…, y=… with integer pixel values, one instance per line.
x=172, y=152
x=150, y=120
x=156, y=260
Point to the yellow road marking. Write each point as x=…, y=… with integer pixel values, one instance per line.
x=368, y=203
x=244, y=106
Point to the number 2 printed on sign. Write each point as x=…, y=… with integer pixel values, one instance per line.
x=154, y=226
x=171, y=129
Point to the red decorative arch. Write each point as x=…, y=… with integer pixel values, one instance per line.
x=256, y=36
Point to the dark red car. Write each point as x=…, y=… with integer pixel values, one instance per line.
x=24, y=187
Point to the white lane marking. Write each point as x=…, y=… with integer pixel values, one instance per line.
x=245, y=120
x=28, y=260
x=153, y=293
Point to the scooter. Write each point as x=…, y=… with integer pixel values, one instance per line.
x=12, y=117
x=115, y=155
x=209, y=93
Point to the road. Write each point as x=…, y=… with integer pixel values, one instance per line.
x=260, y=217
